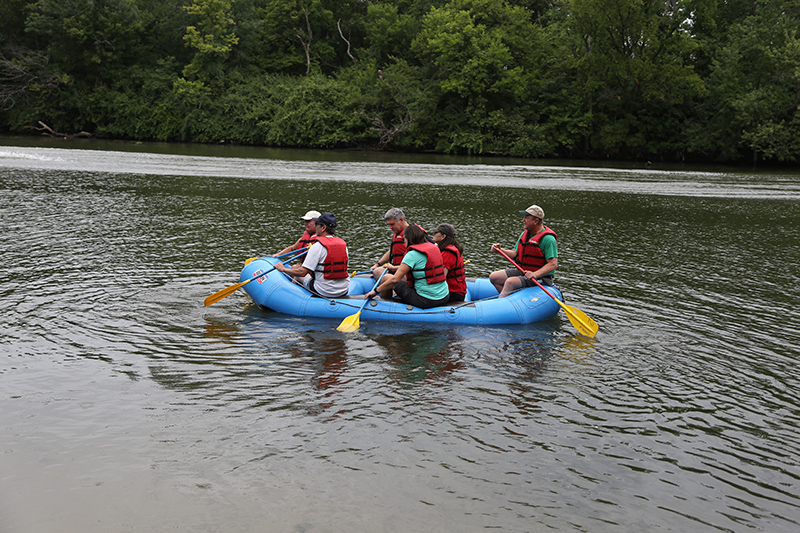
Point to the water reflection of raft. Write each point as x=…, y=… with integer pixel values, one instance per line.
x=276, y=291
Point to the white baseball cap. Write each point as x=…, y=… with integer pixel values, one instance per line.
x=311, y=215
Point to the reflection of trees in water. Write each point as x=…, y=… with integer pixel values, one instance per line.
x=291, y=363
x=422, y=356
x=225, y=332
x=530, y=357
x=325, y=354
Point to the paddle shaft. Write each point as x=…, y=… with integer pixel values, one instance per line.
x=352, y=322
x=248, y=261
x=372, y=289
x=579, y=319
x=519, y=267
x=227, y=291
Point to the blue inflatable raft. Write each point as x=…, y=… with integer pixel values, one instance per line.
x=275, y=290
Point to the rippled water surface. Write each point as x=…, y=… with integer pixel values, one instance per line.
x=129, y=406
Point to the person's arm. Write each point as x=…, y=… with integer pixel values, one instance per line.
x=448, y=258
x=510, y=253
x=549, y=267
x=295, y=246
x=390, y=281
x=384, y=259
x=312, y=259
x=296, y=270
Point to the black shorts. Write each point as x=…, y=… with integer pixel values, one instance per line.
x=455, y=298
x=410, y=296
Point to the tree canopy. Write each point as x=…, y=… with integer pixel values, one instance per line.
x=671, y=80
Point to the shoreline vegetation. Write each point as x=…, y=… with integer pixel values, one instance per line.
x=670, y=81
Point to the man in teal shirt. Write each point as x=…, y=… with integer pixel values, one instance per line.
x=536, y=251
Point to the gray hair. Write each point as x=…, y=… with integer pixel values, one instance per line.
x=394, y=213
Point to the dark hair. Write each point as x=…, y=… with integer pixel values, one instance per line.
x=447, y=241
x=415, y=235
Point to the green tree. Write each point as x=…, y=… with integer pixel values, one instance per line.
x=389, y=32
x=755, y=87
x=88, y=39
x=213, y=37
x=631, y=62
x=483, y=54
x=85, y=44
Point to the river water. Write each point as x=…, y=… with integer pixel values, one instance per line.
x=129, y=406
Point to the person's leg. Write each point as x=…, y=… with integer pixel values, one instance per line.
x=410, y=296
x=376, y=274
x=498, y=278
x=455, y=298
x=512, y=283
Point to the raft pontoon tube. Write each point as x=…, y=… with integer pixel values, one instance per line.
x=275, y=290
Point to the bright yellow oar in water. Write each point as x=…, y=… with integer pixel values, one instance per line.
x=584, y=324
x=352, y=322
x=227, y=291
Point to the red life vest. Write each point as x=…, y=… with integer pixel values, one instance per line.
x=434, y=266
x=456, y=282
x=397, y=250
x=529, y=255
x=306, y=240
x=335, y=265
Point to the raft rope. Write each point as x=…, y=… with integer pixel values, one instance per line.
x=438, y=310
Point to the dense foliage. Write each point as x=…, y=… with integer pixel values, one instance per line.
x=624, y=79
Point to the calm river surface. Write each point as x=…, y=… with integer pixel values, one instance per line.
x=129, y=406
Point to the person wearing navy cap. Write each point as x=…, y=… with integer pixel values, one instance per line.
x=324, y=269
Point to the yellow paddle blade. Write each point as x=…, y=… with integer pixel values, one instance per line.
x=247, y=261
x=579, y=319
x=350, y=323
x=227, y=291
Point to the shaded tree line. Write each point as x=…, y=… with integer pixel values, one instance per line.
x=673, y=80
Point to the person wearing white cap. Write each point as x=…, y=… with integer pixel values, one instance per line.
x=324, y=269
x=536, y=251
x=307, y=238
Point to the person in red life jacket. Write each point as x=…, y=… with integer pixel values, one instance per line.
x=324, y=269
x=452, y=256
x=536, y=251
x=422, y=267
x=309, y=234
x=397, y=222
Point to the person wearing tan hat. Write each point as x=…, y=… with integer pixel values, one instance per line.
x=309, y=234
x=536, y=251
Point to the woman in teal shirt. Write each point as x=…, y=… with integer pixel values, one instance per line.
x=425, y=285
